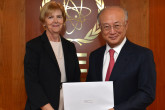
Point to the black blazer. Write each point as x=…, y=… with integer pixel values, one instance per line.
x=134, y=76
x=42, y=73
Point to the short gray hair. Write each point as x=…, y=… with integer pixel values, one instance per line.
x=125, y=12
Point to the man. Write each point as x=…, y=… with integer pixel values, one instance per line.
x=129, y=66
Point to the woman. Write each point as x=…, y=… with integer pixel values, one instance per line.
x=49, y=60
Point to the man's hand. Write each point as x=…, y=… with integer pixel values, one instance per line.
x=47, y=107
x=112, y=109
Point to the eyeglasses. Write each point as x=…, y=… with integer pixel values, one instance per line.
x=107, y=27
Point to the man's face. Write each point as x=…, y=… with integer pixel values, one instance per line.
x=113, y=26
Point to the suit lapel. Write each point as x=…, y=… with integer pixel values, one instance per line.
x=65, y=52
x=99, y=63
x=121, y=61
x=48, y=49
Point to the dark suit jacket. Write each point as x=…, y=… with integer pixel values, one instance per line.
x=134, y=76
x=42, y=73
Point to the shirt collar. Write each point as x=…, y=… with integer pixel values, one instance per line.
x=56, y=42
x=117, y=48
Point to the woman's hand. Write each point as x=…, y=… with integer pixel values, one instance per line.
x=47, y=107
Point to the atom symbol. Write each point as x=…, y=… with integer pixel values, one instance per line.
x=78, y=19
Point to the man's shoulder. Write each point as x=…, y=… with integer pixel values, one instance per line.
x=99, y=51
x=138, y=49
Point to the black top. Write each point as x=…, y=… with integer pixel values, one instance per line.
x=42, y=73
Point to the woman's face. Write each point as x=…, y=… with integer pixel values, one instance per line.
x=54, y=22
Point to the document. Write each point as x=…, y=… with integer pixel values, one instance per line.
x=88, y=95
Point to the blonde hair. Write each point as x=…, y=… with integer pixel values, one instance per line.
x=49, y=7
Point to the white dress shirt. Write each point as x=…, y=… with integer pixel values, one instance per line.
x=106, y=59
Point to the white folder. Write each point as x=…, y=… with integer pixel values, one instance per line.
x=88, y=95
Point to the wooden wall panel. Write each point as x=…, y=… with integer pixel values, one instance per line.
x=146, y=27
x=157, y=44
x=12, y=44
x=138, y=20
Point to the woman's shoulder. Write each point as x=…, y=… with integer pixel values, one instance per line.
x=35, y=43
x=66, y=42
x=34, y=40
